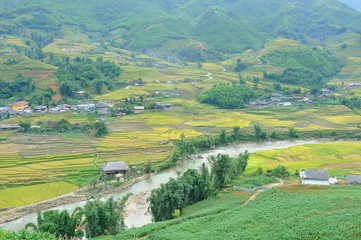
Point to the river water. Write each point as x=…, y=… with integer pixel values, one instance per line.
x=138, y=219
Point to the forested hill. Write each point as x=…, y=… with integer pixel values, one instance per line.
x=356, y=4
x=226, y=26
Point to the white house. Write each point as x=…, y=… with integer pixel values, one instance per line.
x=316, y=177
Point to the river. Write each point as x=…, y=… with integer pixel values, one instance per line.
x=138, y=219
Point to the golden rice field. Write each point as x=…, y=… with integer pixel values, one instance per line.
x=345, y=155
x=158, y=137
x=29, y=170
x=343, y=119
x=19, y=196
x=135, y=158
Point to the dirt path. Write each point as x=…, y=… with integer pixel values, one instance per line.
x=253, y=197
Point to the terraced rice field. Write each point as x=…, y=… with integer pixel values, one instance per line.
x=345, y=155
x=158, y=137
x=14, y=197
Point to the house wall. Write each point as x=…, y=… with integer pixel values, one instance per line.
x=315, y=182
x=19, y=108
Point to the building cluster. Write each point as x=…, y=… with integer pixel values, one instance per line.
x=23, y=108
x=322, y=177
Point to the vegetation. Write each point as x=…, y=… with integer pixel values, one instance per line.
x=303, y=67
x=228, y=97
x=104, y=218
x=25, y=88
x=256, y=181
x=286, y=212
x=59, y=224
x=82, y=73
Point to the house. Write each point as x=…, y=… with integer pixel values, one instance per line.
x=9, y=127
x=20, y=106
x=80, y=93
x=102, y=105
x=104, y=113
x=276, y=95
x=315, y=177
x=113, y=168
x=40, y=109
x=70, y=50
x=275, y=99
x=5, y=109
x=138, y=109
x=353, y=179
x=86, y=107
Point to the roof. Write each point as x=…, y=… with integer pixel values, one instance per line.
x=353, y=178
x=20, y=103
x=115, y=166
x=316, y=174
x=5, y=126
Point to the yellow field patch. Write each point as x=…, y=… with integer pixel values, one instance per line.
x=312, y=156
x=157, y=118
x=313, y=127
x=13, y=197
x=135, y=158
x=343, y=119
x=159, y=137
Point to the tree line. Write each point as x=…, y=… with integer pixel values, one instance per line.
x=303, y=67
x=171, y=198
x=80, y=73
x=25, y=89
x=227, y=96
x=97, y=217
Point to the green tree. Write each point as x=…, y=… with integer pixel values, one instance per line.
x=60, y=224
x=104, y=218
x=257, y=131
x=25, y=126
x=101, y=128
x=292, y=132
x=220, y=167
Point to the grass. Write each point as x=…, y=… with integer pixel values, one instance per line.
x=290, y=212
x=257, y=181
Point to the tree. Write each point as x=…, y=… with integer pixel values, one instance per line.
x=236, y=131
x=148, y=167
x=292, y=132
x=240, y=66
x=257, y=131
x=101, y=128
x=220, y=167
x=104, y=218
x=223, y=137
x=61, y=224
x=24, y=126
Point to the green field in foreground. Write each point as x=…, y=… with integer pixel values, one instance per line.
x=289, y=212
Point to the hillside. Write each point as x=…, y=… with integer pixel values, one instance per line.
x=290, y=212
x=222, y=26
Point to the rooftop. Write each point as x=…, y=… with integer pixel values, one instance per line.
x=315, y=174
x=353, y=178
x=115, y=166
x=20, y=103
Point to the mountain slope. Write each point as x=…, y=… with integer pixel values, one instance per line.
x=228, y=26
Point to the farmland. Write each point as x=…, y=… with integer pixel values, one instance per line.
x=35, y=160
x=346, y=156
x=288, y=212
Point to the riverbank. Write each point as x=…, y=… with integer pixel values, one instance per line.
x=145, y=184
x=69, y=198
